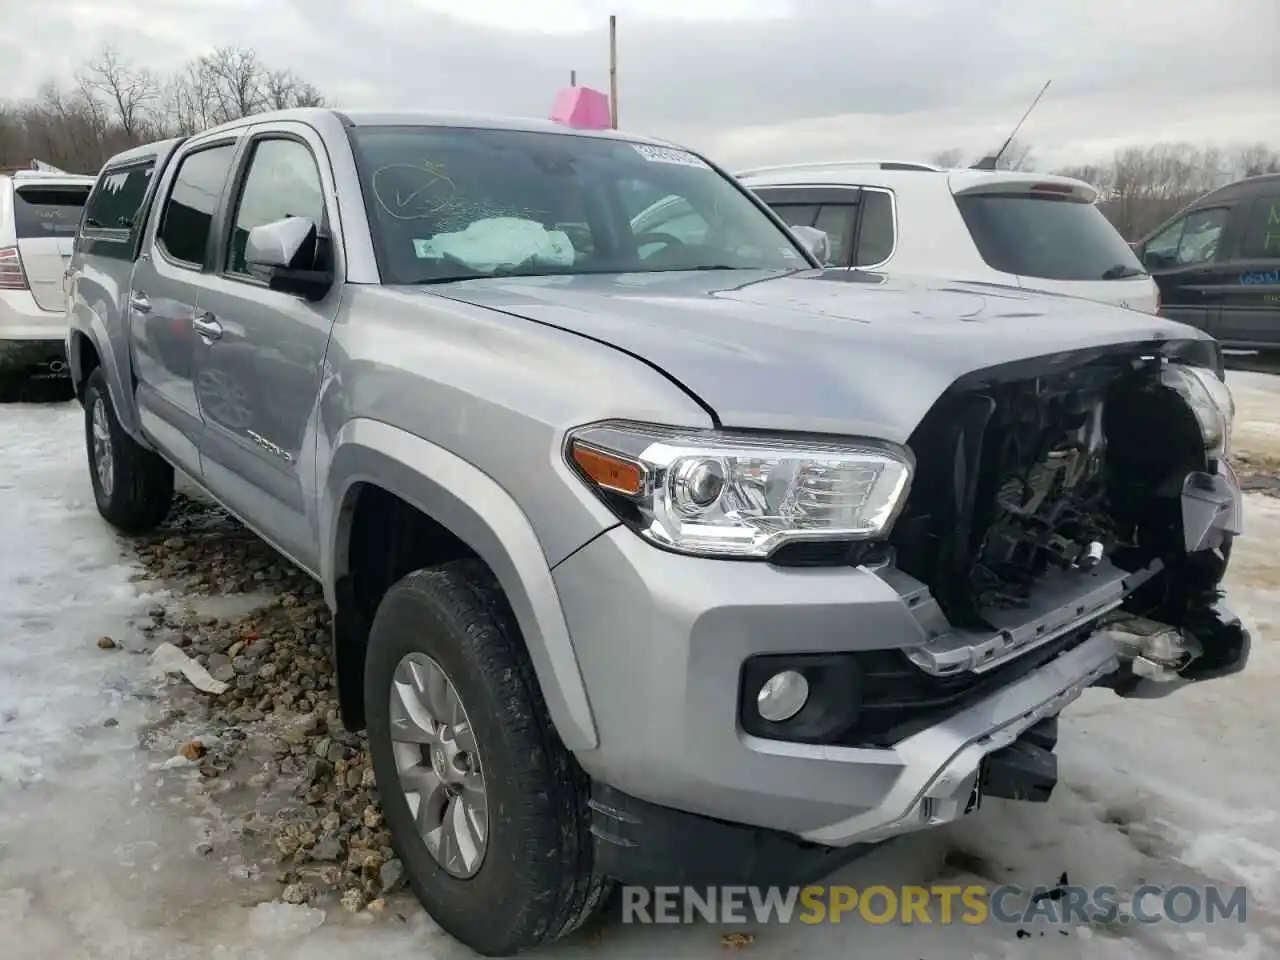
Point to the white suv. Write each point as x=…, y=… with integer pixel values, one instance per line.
x=39, y=214
x=1027, y=230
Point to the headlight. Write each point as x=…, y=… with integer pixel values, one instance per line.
x=739, y=495
x=1209, y=399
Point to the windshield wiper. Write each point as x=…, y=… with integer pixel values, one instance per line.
x=1122, y=271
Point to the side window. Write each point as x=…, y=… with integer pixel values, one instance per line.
x=117, y=197
x=1200, y=236
x=283, y=181
x=674, y=217
x=875, y=234
x=1262, y=230
x=836, y=221
x=187, y=218
x=796, y=214
x=1162, y=249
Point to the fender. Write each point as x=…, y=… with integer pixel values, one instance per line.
x=480, y=513
x=87, y=324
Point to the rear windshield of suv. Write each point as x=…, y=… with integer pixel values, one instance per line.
x=48, y=211
x=1049, y=238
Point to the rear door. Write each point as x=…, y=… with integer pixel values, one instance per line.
x=46, y=215
x=165, y=292
x=1052, y=239
x=1250, y=315
x=1188, y=261
x=835, y=210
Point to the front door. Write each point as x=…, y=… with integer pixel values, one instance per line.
x=1251, y=303
x=163, y=299
x=259, y=369
x=1187, y=260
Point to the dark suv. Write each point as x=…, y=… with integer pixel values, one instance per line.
x=1217, y=262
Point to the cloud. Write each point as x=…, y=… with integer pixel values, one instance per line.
x=747, y=80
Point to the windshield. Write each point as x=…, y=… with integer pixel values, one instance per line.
x=448, y=203
x=1047, y=237
x=48, y=211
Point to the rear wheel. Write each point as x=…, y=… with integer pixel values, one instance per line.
x=133, y=486
x=487, y=809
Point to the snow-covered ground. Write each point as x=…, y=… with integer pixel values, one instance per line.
x=99, y=858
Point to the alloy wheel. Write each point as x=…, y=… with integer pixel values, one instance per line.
x=103, y=460
x=439, y=765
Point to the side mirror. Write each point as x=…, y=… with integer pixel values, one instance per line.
x=815, y=241
x=291, y=256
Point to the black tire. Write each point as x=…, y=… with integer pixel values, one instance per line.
x=142, y=483
x=537, y=882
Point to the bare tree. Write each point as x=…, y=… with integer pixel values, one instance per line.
x=1254, y=160
x=951, y=157
x=129, y=92
x=1095, y=174
x=113, y=105
x=284, y=90
x=231, y=83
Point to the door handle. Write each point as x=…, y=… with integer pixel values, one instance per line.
x=139, y=302
x=207, y=325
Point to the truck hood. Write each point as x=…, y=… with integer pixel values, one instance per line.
x=847, y=353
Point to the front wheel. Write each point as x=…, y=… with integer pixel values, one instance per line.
x=486, y=807
x=133, y=486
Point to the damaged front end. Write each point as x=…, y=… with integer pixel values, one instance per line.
x=1076, y=494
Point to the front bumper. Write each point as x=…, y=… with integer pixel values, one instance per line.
x=661, y=640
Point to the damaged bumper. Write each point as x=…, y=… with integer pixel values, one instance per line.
x=696, y=639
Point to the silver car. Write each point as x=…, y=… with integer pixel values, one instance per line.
x=655, y=556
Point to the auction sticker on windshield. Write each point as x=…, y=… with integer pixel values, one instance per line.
x=667, y=155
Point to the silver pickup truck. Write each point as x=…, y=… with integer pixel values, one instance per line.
x=656, y=553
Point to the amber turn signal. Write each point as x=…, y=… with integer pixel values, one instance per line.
x=609, y=472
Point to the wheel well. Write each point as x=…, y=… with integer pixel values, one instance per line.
x=83, y=350
x=386, y=539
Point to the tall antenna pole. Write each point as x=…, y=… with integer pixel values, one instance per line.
x=613, y=70
x=989, y=163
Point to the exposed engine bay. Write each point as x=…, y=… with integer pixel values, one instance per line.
x=1030, y=490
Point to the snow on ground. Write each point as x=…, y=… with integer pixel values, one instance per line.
x=1257, y=424
x=99, y=861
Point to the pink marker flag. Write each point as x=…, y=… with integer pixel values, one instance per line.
x=583, y=108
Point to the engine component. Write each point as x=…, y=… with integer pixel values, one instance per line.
x=1052, y=472
x=1049, y=509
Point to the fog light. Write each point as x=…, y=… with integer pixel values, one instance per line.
x=782, y=696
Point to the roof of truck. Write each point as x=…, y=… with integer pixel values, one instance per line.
x=382, y=118
x=421, y=118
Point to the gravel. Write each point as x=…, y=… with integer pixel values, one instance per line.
x=291, y=791
x=1257, y=472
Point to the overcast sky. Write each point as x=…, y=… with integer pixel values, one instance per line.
x=748, y=81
